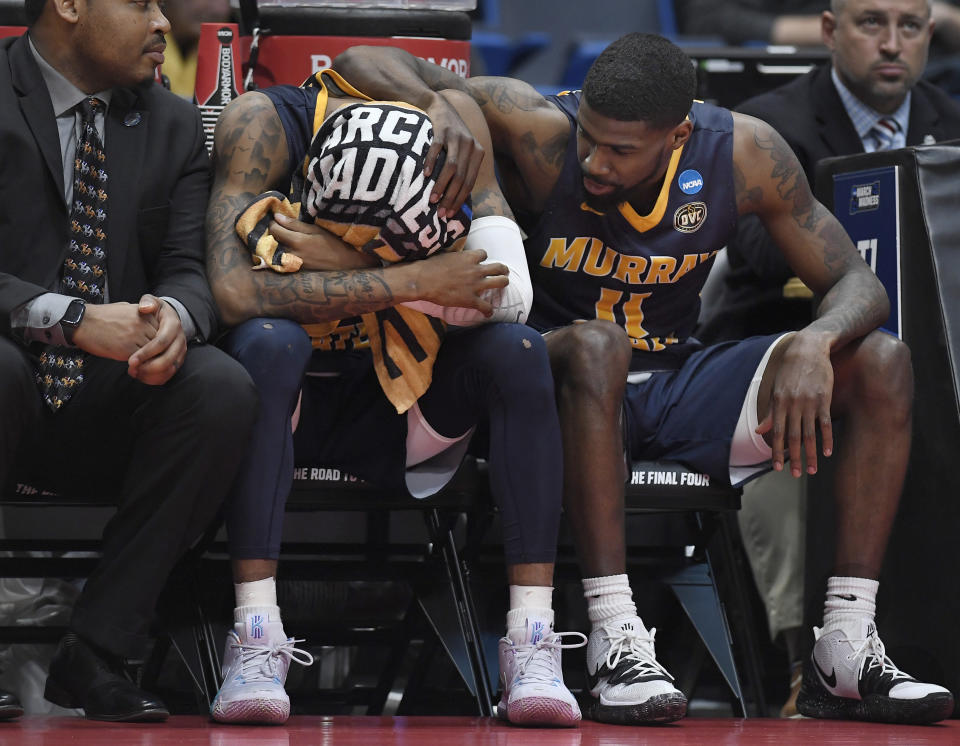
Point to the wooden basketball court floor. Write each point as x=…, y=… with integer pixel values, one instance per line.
x=191, y=730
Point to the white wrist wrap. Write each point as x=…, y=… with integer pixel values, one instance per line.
x=500, y=237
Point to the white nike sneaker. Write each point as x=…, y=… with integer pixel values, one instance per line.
x=853, y=679
x=532, y=679
x=255, y=665
x=627, y=684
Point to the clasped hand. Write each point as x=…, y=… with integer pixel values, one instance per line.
x=148, y=336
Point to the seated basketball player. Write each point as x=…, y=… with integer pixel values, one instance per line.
x=424, y=338
x=628, y=189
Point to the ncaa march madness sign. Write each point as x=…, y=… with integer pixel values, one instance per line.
x=867, y=204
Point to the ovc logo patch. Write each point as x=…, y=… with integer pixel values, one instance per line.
x=689, y=217
x=690, y=181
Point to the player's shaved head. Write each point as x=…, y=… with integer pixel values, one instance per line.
x=642, y=77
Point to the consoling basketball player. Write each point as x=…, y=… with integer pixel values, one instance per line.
x=626, y=190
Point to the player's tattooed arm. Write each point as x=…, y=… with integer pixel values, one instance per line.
x=489, y=200
x=250, y=156
x=770, y=182
x=546, y=155
x=529, y=136
x=389, y=72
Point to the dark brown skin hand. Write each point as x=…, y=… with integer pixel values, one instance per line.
x=524, y=127
x=770, y=183
x=158, y=361
x=114, y=330
x=458, y=279
x=801, y=398
x=319, y=248
x=464, y=156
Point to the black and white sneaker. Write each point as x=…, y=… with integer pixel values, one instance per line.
x=627, y=684
x=853, y=679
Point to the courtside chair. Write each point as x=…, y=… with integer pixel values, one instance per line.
x=54, y=541
x=709, y=509
x=698, y=539
x=429, y=562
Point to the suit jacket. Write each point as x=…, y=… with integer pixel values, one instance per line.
x=158, y=185
x=810, y=116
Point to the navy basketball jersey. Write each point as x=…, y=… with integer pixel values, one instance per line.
x=642, y=272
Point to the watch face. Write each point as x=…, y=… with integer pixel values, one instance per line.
x=72, y=318
x=74, y=313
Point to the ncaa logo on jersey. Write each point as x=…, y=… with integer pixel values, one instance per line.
x=689, y=218
x=690, y=181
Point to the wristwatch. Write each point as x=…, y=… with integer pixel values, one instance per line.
x=72, y=318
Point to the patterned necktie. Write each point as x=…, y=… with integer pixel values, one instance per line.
x=884, y=131
x=61, y=369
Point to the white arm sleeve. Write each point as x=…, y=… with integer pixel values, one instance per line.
x=500, y=237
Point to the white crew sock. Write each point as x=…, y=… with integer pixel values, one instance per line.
x=849, y=602
x=609, y=599
x=531, y=613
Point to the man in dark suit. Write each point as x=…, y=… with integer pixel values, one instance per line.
x=879, y=51
x=878, y=58
x=105, y=385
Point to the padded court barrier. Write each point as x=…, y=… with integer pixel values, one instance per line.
x=902, y=211
x=290, y=43
x=13, y=19
x=12, y=13
x=282, y=44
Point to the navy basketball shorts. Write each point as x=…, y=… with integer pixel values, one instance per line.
x=690, y=414
x=346, y=421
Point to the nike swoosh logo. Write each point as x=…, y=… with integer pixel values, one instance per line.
x=830, y=680
x=844, y=596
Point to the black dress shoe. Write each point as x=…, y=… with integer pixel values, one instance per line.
x=9, y=706
x=82, y=676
